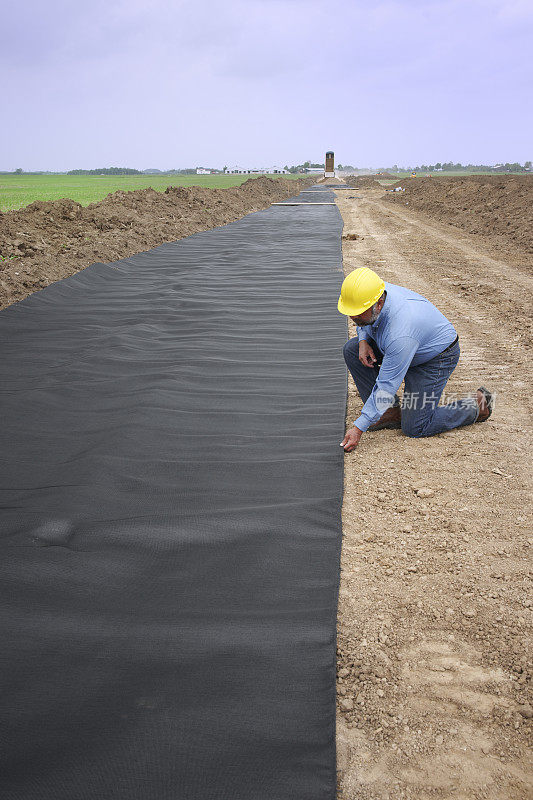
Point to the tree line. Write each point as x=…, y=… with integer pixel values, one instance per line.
x=446, y=166
x=449, y=166
x=129, y=171
x=105, y=171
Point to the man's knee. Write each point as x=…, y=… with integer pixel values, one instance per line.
x=414, y=426
x=350, y=351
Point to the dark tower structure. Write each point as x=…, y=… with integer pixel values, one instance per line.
x=329, y=172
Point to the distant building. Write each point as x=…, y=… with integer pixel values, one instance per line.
x=329, y=172
x=202, y=171
x=264, y=171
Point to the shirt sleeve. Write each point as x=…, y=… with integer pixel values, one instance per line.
x=396, y=362
x=362, y=335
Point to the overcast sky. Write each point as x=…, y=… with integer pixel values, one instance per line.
x=253, y=83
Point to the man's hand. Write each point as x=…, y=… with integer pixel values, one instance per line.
x=366, y=354
x=351, y=440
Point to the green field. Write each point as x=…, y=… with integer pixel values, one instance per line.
x=17, y=191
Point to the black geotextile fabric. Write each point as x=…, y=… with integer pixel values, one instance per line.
x=171, y=488
x=312, y=196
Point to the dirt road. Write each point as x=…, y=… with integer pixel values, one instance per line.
x=435, y=614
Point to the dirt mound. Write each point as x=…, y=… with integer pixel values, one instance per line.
x=363, y=182
x=47, y=241
x=497, y=206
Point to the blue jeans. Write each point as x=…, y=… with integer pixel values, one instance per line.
x=424, y=384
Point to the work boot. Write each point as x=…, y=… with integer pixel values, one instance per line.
x=485, y=402
x=392, y=418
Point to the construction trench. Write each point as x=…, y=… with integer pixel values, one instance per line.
x=145, y=657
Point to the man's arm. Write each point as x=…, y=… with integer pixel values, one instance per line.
x=396, y=362
x=351, y=440
x=362, y=335
x=367, y=357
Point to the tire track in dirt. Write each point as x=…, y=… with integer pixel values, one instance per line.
x=434, y=620
x=455, y=241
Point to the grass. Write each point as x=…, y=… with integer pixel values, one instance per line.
x=17, y=191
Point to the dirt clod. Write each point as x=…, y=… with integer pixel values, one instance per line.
x=423, y=492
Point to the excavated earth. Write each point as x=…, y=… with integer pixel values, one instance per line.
x=47, y=241
x=435, y=612
x=363, y=181
x=499, y=207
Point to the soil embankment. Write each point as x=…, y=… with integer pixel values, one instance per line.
x=47, y=241
x=495, y=206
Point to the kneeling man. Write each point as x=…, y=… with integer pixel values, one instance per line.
x=402, y=337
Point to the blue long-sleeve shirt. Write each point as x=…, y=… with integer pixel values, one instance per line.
x=409, y=331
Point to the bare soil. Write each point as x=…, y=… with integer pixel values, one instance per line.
x=331, y=181
x=435, y=612
x=47, y=241
x=496, y=206
x=363, y=182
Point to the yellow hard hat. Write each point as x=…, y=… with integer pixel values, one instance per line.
x=360, y=290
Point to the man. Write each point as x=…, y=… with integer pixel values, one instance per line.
x=402, y=336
